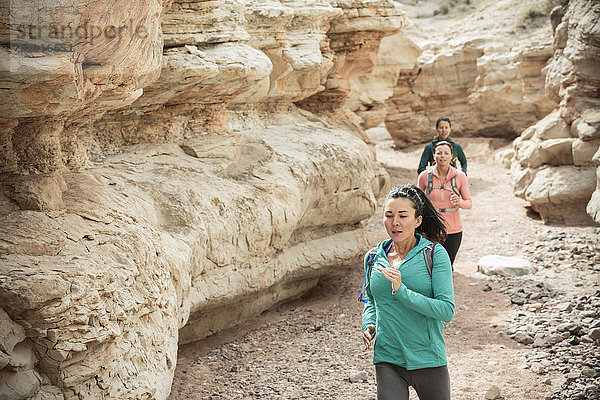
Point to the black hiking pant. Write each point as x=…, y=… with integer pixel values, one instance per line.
x=452, y=244
x=429, y=383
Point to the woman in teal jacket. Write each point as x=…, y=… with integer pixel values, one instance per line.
x=406, y=305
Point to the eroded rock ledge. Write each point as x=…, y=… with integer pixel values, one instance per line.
x=555, y=161
x=485, y=71
x=522, y=70
x=159, y=187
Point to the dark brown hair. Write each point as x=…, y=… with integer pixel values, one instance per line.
x=432, y=226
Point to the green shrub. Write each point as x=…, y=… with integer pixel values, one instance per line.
x=532, y=11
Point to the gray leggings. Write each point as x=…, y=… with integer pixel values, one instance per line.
x=429, y=383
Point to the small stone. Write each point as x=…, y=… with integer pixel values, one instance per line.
x=595, y=333
x=588, y=313
x=517, y=300
x=567, y=307
x=523, y=338
x=568, y=326
x=504, y=266
x=587, y=339
x=360, y=376
x=493, y=393
x=574, y=340
x=537, y=368
x=539, y=342
x=591, y=388
x=571, y=376
x=588, y=372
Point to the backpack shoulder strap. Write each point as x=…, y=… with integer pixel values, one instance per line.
x=429, y=182
x=428, y=254
x=370, y=260
x=368, y=267
x=453, y=184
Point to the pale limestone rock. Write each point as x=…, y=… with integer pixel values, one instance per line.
x=583, y=151
x=552, y=126
x=153, y=196
x=505, y=157
x=22, y=358
x=195, y=22
x=527, y=153
x=11, y=333
x=254, y=229
x=583, y=130
x=39, y=192
x=521, y=177
x=494, y=264
x=48, y=392
x=560, y=194
x=486, y=73
x=370, y=92
x=593, y=206
x=569, y=135
x=18, y=385
x=354, y=37
x=556, y=152
x=102, y=58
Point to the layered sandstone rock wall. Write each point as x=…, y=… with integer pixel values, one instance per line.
x=159, y=184
x=556, y=161
x=485, y=71
x=525, y=70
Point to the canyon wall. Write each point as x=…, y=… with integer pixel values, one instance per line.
x=555, y=161
x=524, y=70
x=485, y=71
x=172, y=168
x=170, y=176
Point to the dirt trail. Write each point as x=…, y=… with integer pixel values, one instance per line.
x=309, y=348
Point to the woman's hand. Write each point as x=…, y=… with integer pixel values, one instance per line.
x=369, y=336
x=454, y=199
x=393, y=275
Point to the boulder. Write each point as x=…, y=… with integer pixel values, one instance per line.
x=560, y=194
x=505, y=266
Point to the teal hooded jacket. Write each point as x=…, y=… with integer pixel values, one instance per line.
x=409, y=324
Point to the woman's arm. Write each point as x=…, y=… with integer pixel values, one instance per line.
x=465, y=201
x=460, y=154
x=441, y=306
x=369, y=317
x=426, y=158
